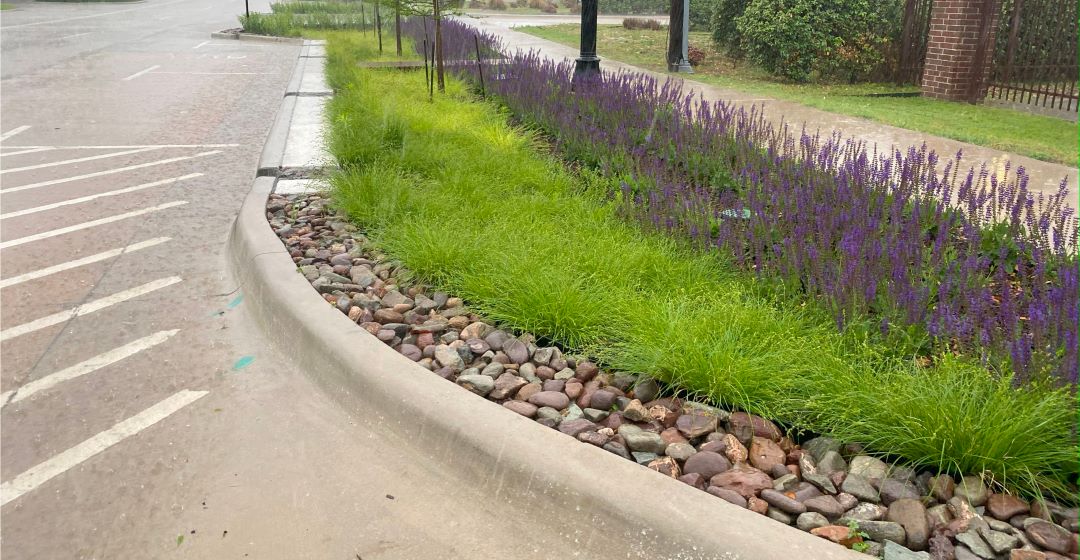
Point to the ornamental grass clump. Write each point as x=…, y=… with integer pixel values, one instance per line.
x=934, y=258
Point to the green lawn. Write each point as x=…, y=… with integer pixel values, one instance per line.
x=515, y=10
x=1044, y=138
x=6, y=6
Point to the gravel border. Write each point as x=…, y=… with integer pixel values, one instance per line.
x=821, y=486
x=629, y=512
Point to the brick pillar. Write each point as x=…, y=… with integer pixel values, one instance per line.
x=959, y=50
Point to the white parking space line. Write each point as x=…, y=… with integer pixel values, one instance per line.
x=43, y=272
x=90, y=224
x=141, y=72
x=86, y=308
x=107, y=172
x=125, y=147
x=85, y=367
x=76, y=160
x=200, y=45
x=82, y=199
x=13, y=132
x=43, y=472
x=52, y=21
x=28, y=151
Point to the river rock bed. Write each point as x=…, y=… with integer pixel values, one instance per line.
x=826, y=487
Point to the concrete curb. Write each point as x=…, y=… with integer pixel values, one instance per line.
x=240, y=36
x=498, y=454
x=274, y=150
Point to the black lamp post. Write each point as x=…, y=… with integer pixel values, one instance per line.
x=587, y=61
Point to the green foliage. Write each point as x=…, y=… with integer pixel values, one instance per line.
x=474, y=206
x=701, y=12
x=953, y=417
x=725, y=32
x=834, y=38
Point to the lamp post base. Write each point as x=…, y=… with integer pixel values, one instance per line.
x=586, y=66
x=682, y=66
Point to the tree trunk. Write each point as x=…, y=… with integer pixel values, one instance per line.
x=439, y=47
x=675, y=31
x=397, y=25
x=378, y=25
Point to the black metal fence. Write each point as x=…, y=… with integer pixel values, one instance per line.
x=1035, y=55
x=914, y=32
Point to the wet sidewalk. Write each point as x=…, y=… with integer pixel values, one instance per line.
x=1045, y=177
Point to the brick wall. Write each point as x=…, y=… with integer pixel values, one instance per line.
x=953, y=49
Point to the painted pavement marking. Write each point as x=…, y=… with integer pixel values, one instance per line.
x=90, y=224
x=85, y=367
x=141, y=72
x=76, y=160
x=41, y=273
x=107, y=172
x=51, y=468
x=87, y=308
x=13, y=132
x=82, y=199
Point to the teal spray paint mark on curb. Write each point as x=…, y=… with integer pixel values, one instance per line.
x=236, y=301
x=243, y=363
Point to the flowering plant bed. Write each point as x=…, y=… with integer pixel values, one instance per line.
x=994, y=275
x=472, y=205
x=451, y=195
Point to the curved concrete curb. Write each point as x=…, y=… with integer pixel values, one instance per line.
x=495, y=452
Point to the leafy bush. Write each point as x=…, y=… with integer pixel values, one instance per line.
x=499, y=5
x=835, y=38
x=701, y=12
x=641, y=23
x=725, y=32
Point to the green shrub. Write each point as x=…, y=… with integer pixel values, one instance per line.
x=725, y=33
x=833, y=38
x=701, y=12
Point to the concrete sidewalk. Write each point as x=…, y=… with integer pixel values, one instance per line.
x=1045, y=177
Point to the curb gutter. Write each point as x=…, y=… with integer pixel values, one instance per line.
x=495, y=452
